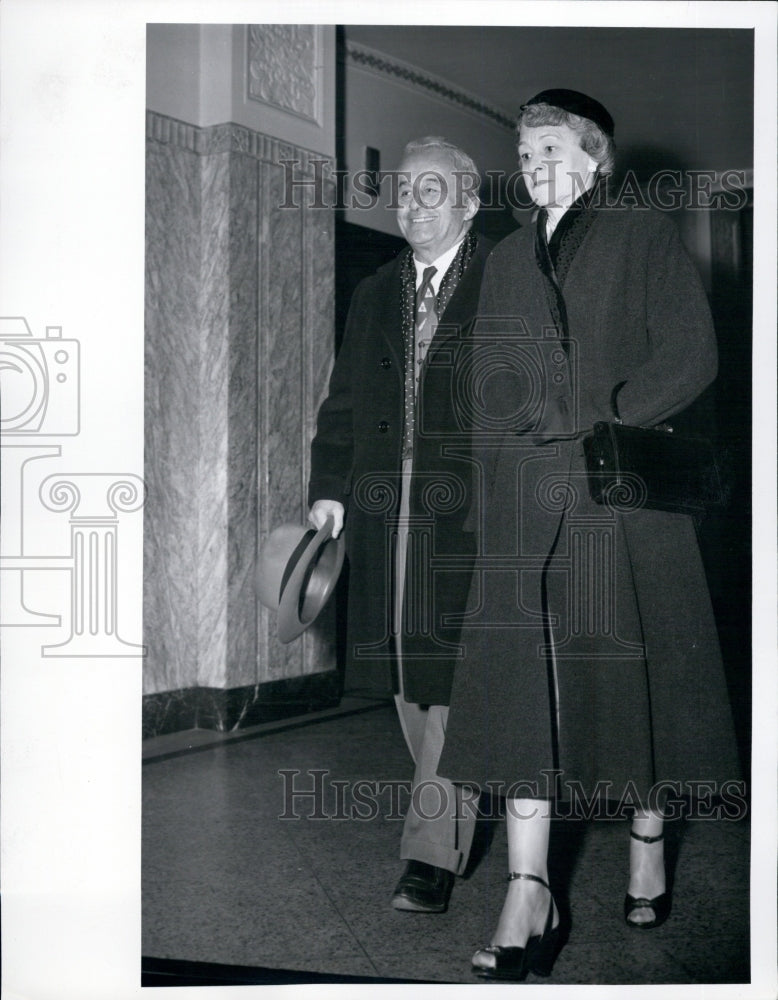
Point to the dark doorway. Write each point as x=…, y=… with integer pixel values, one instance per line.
x=359, y=252
x=726, y=539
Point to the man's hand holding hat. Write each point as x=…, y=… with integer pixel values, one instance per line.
x=323, y=509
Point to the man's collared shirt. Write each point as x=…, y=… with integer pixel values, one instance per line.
x=442, y=264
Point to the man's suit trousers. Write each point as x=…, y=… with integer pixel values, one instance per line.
x=441, y=817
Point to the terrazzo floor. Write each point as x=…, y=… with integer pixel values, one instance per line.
x=255, y=885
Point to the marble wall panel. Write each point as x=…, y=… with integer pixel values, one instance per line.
x=318, y=350
x=234, y=708
x=240, y=338
x=172, y=438
x=242, y=664
x=296, y=344
x=280, y=378
x=320, y=303
x=281, y=336
x=211, y=498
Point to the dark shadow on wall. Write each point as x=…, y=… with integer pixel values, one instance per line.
x=726, y=539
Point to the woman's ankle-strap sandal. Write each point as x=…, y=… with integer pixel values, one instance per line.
x=646, y=840
x=537, y=956
x=659, y=904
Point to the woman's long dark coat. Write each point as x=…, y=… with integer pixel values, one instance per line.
x=355, y=458
x=635, y=692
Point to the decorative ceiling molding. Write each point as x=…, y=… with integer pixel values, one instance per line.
x=363, y=57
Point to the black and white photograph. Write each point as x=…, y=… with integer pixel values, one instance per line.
x=388, y=566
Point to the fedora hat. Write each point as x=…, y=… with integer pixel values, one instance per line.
x=297, y=570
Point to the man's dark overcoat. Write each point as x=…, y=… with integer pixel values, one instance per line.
x=356, y=459
x=634, y=692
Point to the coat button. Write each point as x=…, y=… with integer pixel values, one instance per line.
x=386, y=362
x=383, y=427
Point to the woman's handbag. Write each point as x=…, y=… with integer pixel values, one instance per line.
x=632, y=467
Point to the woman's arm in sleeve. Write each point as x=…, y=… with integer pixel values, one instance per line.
x=684, y=357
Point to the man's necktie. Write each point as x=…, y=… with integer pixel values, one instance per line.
x=426, y=321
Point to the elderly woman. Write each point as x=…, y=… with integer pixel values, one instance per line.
x=592, y=669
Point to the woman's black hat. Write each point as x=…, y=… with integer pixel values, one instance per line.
x=576, y=103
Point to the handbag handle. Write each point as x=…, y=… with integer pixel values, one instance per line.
x=614, y=407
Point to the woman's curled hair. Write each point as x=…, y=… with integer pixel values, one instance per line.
x=593, y=140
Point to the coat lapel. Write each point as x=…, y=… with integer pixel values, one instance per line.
x=463, y=305
x=388, y=305
x=459, y=313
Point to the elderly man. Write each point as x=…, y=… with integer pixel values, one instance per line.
x=389, y=466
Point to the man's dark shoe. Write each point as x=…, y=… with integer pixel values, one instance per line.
x=423, y=888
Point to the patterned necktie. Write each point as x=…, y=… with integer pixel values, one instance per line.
x=416, y=350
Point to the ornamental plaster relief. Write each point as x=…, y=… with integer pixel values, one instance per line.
x=284, y=68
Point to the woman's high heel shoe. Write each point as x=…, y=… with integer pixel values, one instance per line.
x=659, y=904
x=537, y=956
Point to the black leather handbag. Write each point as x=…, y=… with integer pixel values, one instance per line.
x=632, y=467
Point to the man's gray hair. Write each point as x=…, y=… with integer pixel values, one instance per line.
x=463, y=164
